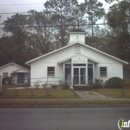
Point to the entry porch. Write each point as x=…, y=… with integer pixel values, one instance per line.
x=79, y=70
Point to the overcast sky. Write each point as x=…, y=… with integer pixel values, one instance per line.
x=6, y=6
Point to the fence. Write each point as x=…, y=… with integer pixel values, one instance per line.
x=48, y=80
x=32, y=81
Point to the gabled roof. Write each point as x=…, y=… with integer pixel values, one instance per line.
x=78, y=55
x=67, y=46
x=12, y=63
x=21, y=70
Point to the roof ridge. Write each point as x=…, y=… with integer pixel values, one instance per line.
x=28, y=62
x=14, y=64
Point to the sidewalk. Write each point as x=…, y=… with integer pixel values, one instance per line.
x=91, y=95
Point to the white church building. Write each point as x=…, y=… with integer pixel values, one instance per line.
x=76, y=63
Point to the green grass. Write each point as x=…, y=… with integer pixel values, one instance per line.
x=116, y=93
x=38, y=93
x=127, y=83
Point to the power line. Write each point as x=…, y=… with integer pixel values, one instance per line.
x=24, y=12
x=21, y=4
x=15, y=13
x=47, y=26
x=59, y=25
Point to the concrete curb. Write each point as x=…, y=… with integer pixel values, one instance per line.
x=60, y=106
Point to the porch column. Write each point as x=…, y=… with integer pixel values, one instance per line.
x=0, y=83
x=72, y=75
x=86, y=71
x=63, y=72
x=94, y=73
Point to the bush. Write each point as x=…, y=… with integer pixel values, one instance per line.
x=97, y=84
x=47, y=91
x=54, y=86
x=127, y=83
x=115, y=82
x=7, y=80
x=36, y=85
x=64, y=85
x=44, y=85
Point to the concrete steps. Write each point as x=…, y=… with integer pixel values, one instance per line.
x=81, y=87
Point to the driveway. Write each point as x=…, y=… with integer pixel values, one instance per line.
x=91, y=95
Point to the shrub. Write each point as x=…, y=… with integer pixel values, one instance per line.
x=44, y=85
x=36, y=85
x=115, y=82
x=54, y=86
x=47, y=91
x=97, y=84
x=7, y=80
x=64, y=85
x=127, y=83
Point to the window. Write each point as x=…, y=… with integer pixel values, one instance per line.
x=5, y=74
x=79, y=64
x=90, y=65
x=68, y=73
x=103, y=71
x=67, y=65
x=51, y=71
x=90, y=72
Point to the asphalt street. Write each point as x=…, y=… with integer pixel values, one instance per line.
x=97, y=118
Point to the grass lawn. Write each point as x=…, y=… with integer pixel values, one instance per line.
x=116, y=93
x=38, y=93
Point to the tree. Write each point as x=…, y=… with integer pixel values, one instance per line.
x=93, y=12
x=61, y=17
x=66, y=15
x=27, y=34
x=119, y=16
x=38, y=33
x=119, y=20
x=103, y=40
x=16, y=28
x=110, y=1
x=8, y=50
x=41, y=35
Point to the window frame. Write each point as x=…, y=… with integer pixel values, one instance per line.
x=103, y=71
x=50, y=73
x=4, y=73
x=90, y=65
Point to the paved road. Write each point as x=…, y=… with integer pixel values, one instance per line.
x=62, y=118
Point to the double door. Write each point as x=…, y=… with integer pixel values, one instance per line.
x=79, y=76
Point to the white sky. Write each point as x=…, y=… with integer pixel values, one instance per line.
x=25, y=8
